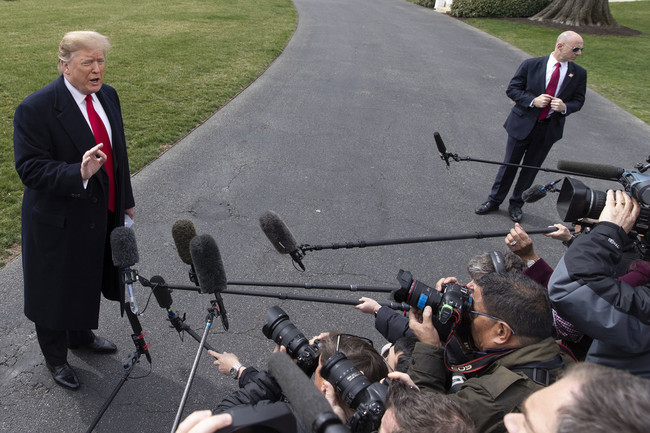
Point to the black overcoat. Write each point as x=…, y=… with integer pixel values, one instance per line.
x=65, y=227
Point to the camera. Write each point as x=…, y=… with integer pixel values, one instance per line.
x=453, y=297
x=578, y=201
x=279, y=328
x=357, y=392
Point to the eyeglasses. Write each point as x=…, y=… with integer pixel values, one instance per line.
x=478, y=313
x=344, y=336
x=576, y=49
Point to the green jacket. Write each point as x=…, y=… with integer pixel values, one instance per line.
x=492, y=393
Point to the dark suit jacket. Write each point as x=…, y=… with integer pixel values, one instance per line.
x=64, y=226
x=528, y=83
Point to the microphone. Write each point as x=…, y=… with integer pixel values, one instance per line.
x=441, y=147
x=536, y=192
x=601, y=171
x=161, y=292
x=124, y=251
x=280, y=236
x=209, y=270
x=310, y=405
x=183, y=232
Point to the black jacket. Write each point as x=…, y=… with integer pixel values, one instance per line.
x=584, y=290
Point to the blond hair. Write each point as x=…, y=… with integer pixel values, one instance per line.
x=79, y=40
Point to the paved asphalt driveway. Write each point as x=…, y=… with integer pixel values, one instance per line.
x=337, y=137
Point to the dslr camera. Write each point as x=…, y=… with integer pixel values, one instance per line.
x=357, y=392
x=279, y=328
x=453, y=298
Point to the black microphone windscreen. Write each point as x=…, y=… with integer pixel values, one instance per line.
x=533, y=194
x=602, y=171
x=124, y=248
x=441, y=145
x=277, y=232
x=309, y=404
x=183, y=232
x=208, y=264
x=161, y=292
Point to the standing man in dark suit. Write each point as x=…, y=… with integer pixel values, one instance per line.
x=70, y=153
x=545, y=90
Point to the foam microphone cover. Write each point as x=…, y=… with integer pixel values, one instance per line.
x=602, y=171
x=277, y=232
x=533, y=194
x=124, y=248
x=207, y=262
x=309, y=404
x=183, y=232
x=161, y=292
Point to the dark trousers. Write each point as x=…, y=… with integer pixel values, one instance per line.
x=54, y=343
x=533, y=150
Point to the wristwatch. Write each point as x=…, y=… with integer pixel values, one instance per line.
x=234, y=370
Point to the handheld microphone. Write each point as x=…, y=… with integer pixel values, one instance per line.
x=280, y=236
x=125, y=254
x=209, y=270
x=601, y=171
x=441, y=147
x=310, y=405
x=537, y=192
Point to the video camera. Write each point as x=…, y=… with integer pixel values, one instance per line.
x=279, y=328
x=454, y=298
x=578, y=201
x=357, y=392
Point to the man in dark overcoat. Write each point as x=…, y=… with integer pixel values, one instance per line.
x=71, y=201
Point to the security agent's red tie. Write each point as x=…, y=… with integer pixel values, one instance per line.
x=101, y=136
x=550, y=90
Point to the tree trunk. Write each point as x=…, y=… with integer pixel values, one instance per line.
x=577, y=13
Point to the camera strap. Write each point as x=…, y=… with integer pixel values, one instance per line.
x=475, y=365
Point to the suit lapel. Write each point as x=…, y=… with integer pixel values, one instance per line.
x=71, y=119
x=568, y=79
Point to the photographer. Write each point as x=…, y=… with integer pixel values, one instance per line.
x=584, y=289
x=589, y=398
x=409, y=410
x=514, y=354
x=257, y=386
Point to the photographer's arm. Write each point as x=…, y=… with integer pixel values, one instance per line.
x=584, y=288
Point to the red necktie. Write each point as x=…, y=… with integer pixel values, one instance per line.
x=550, y=90
x=101, y=136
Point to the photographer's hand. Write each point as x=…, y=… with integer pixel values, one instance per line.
x=520, y=243
x=562, y=234
x=402, y=377
x=421, y=323
x=368, y=306
x=225, y=361
x=620, y=209
x=202, y=421
x=330, y=395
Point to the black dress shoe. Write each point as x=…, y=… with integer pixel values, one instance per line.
x=64, y=375
x=487, y=207
x=101, y=345
x=515, y=213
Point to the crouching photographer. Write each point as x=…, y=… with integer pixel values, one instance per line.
x=339, y=353
x=584, y=288
x=509, y=323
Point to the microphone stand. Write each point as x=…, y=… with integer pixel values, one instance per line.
x=212, y=311
x=364, y=244
x=141, y=348
x=285, y=296
x=446, y=155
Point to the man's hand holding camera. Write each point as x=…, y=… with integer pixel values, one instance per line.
x=421, y=321
x=620, y=209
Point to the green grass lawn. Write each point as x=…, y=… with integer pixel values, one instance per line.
x=174, y=63
x=617, y=66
